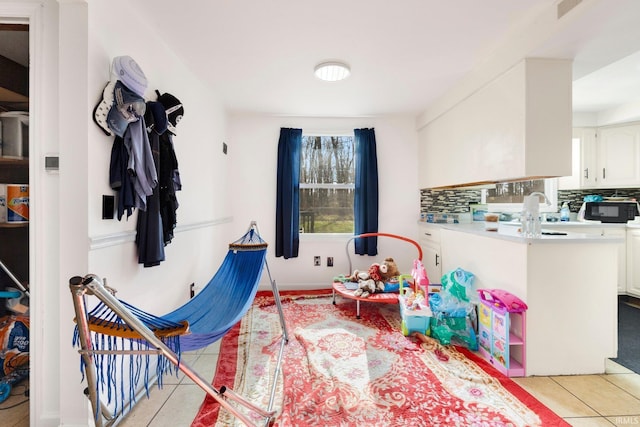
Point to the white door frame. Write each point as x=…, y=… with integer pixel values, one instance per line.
x=31, y=14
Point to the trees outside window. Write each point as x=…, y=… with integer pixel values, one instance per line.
x=509, y=196
x=327, y=178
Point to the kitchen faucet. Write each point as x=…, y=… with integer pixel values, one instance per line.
x=530, y=217
x=538, y=193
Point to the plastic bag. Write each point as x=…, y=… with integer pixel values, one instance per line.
x=454, y=310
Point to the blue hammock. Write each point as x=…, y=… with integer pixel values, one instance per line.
x=114, y=328
x=227, y=296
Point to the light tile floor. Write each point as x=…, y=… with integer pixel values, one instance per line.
x=610, y=399
x=582, y=400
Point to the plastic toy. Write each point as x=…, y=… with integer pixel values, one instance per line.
x=502, y=331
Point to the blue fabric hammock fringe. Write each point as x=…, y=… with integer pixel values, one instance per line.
x=114, y=329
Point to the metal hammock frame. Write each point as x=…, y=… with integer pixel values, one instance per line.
x=114, y=321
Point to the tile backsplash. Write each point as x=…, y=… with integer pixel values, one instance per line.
x=451, y=201
x=457, y=201
x=575, y=197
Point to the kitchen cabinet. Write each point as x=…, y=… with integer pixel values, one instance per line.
x=607, y=157
x=505, y=130
x=618, y=156
x=633, y=266
x=583, y=161
x=431, y=254
x=605, y=231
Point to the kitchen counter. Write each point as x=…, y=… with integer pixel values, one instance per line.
x=568, y=282
x=510, y=231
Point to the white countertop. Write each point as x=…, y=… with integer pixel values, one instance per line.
x=510, y=231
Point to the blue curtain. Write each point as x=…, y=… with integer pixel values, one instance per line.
x=288, y=195
x=366, y=197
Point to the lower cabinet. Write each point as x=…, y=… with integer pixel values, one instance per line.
x=633, y=266
x=622, y=256
x=431, y=254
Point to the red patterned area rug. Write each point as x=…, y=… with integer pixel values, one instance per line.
x=341, y=371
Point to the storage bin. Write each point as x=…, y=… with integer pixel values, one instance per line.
x=15, y=134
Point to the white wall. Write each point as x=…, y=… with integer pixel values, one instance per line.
x=73, y=45
x=253, y=147
x=196, y=249
x=621, y=114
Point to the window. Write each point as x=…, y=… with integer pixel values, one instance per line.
x=327, y=184
x=509, y=196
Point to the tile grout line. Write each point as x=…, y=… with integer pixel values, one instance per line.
x=178, y=384
x=603, y=376
x=579, y=399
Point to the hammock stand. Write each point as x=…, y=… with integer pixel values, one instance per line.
x=104, y=333
x=384, y=298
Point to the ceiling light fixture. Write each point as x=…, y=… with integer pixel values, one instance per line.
x=332, y=71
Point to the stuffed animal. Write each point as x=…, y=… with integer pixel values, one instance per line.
x=371, y=281
x=368, y=287
x=372, y=273
x=377, y=271
x=391, y=270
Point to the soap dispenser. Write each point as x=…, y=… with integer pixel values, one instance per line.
x=564, y=212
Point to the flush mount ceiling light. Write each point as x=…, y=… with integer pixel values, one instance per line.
x=332, y=71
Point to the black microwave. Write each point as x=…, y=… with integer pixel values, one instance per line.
x=609, y=211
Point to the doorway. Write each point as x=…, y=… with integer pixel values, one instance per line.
x=14, y=220
x=628, y=339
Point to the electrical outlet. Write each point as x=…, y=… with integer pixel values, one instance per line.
x=316, y=261
x=329, y=261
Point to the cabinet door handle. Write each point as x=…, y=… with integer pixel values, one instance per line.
x=586, y=173
x=427, y=234
x=604, y=174
x=437, y=260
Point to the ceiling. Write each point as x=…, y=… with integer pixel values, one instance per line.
x=259, y=56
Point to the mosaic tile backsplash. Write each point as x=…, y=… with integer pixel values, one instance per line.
x=457, y=201
x=450, y=201
x=575, y=197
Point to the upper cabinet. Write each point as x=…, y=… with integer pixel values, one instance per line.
x=618, y=158
x=607, y=157
x=583, y=163
x=517, y=126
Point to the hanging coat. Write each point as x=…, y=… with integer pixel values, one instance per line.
x=149, y=230
x=120, y=179
x=169, y=181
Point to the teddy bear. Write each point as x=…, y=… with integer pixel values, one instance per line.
x=375, y=278
x=391, y=272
